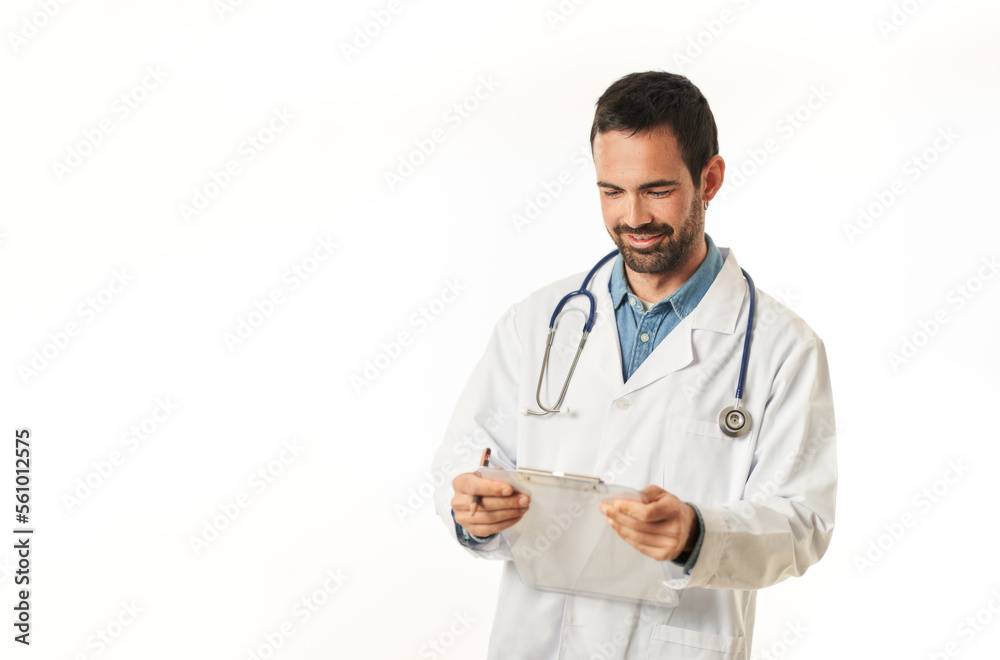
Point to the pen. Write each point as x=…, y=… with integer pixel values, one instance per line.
x=484, y=460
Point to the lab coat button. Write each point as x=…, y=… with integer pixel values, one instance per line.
x=623, y=404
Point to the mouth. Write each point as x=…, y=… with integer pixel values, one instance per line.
x=643, y=240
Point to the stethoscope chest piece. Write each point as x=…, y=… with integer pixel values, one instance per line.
x=734, y=421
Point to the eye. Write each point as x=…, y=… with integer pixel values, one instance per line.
x=660, y=193
x=611, y=193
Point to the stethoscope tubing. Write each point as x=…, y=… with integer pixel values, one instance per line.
x=741, y=414
x=746, y=340
x=582, y=291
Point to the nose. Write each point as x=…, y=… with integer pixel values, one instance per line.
x=636, y=214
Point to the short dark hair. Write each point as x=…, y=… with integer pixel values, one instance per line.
x=655, y=99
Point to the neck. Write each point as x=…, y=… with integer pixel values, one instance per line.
x=657, y=286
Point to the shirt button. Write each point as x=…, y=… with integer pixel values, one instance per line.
x=644, y=337
x=623, y=404
x=634, y=301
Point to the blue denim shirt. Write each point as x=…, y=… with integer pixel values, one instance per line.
x=639, y=333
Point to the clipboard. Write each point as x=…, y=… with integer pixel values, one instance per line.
x=563, y=543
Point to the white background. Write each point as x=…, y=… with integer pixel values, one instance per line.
x=352, y=501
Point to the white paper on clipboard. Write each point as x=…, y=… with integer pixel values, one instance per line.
x=563, y=543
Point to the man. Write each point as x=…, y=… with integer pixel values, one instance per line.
x=727, y=514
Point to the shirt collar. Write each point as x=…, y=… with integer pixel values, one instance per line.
x=684, y=299
x=617, y=285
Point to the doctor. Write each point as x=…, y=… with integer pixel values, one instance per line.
x=727, y=515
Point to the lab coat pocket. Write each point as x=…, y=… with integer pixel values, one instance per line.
x=681, y=644
x=687, y=425
x=705, y=465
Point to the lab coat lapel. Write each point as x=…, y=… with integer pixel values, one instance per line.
x=718, y=311
x=673, y=353
x=605, y=345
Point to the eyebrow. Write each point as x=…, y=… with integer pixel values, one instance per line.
x=662, y=183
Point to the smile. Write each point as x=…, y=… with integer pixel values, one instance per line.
x=643, y=241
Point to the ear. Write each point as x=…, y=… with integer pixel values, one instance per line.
x=712, y=176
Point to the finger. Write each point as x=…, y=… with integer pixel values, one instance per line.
x=660, y=547
x=654, y=493
x=660, y=534
x=503, y=507
x=656, y=552
x=636, y=537
x=670, y=527
x=472, y=484
x=498, y=520
x=516, y=501
x=614, y=518
x=488, y=517
x=494, y=528
x=627, y=511
x=665, y=509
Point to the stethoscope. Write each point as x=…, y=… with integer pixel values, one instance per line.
x=734, y=420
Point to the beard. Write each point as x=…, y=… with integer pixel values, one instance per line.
x=670, y=252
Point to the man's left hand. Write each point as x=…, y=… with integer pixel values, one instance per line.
x=662, y=529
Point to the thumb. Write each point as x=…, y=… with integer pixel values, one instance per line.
x=654, y=493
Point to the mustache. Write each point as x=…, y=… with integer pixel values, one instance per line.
x=645, y=230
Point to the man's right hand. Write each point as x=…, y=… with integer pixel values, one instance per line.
x=499, y=508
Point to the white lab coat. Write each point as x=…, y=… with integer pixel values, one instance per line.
x=767, y=498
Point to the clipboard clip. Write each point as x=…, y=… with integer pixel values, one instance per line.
x=575, y=477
